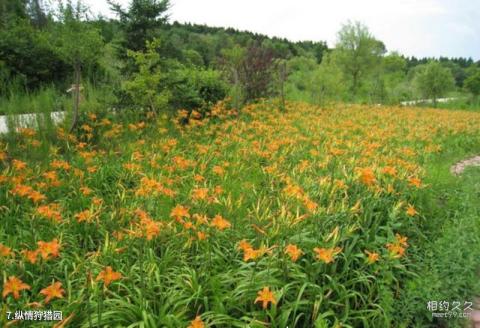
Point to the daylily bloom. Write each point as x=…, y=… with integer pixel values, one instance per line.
x=372, y=257
x=18, y=165
x=50, y=212
x=293, y=251
x=415, y=182
x=197, y=323
x=367, y=176
x=14, y=286
x=265, y=296
x=179, y=211
x=86, y=216
x=397, y=249
x=49, y=248
x=220, y=223
x=5, y=251
x=31, y=256
x=200, y=193
x=389, y=170
x=327, y=255
x=411, y=211
x=53, y=291
x=217, y=169
x=108, y=275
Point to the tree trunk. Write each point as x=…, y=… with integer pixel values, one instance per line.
x=354, y=83
x=76, y=96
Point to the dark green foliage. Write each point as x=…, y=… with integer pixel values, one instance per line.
x=12, y=10
x=147, y=86
x=458, y=66
x=358, y=54
x=197, y=89
x=140, y=22
x=433, y=80
x=472, y=83
x=78, y=44
x=27, y=54
x=29, y=57
x=37, y=14
x=318, y=49
x=109, y=29
x=158, y=83
x=224, y=38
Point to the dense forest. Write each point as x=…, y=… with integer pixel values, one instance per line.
x=141, y=55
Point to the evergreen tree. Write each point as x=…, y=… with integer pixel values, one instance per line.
x=140, y=22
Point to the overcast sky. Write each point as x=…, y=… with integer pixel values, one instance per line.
x=412, y=27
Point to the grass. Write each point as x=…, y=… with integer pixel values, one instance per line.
x=463, y=102
x=50, y=99
x=342, y=216
x=24, y=103
x=452, y=237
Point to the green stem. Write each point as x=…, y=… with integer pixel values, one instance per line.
x=88, y=299
x=142, y=273
x=99, y=308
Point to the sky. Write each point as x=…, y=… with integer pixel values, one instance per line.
x=421, y=28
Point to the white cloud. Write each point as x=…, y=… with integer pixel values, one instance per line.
x=412, y=27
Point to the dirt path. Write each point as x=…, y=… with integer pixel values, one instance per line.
x=459, y=167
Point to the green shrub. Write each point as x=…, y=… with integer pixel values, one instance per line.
x=197, y=89
x=160, y=84
x=145, y=88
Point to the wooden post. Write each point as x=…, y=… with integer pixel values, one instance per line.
x=76, y=96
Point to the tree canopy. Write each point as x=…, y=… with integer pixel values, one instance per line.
x=433, y=80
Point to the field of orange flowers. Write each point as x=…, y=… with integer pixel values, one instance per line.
x=302, y=218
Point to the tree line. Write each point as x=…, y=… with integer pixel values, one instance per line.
x=148, y=62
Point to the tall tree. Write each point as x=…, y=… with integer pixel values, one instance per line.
x=357, y=52
x=146, y=87
x=394, y=71
x=326, y=82
x=37, y=14
x=256, y=72
x=78, y=43
x=231, y=61
x=433, y=80
x=140, y=21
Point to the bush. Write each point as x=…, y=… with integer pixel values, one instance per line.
x=31, y=56
x=197, y=89
x=433, y=81
x=145, y=88
x=315, y=83
x=161, y=84
x=472, y=84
